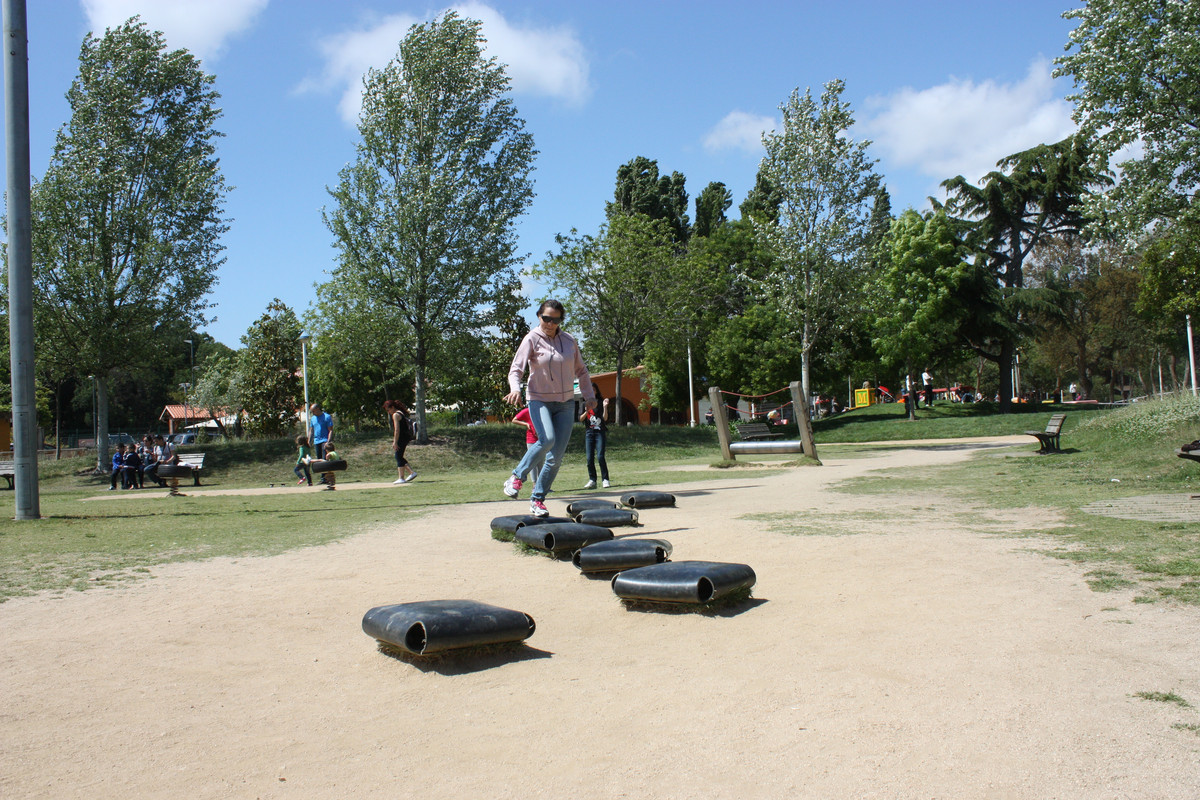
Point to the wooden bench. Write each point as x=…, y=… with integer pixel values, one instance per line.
x=194, y=462
x=1049, y=437
x=8, y=471
x=756, y=431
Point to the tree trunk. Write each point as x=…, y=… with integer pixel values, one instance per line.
x=1005, y=364
x=620, y=374
x=58, y=422
x=103, y=458
x=805, y=347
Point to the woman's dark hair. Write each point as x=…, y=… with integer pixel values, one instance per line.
x=596, y=391
x=554, y=304
x=394, y=406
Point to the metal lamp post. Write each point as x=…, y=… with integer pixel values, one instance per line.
x=304, y=340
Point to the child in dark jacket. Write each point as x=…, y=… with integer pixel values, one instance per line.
x=118, y=465
x=131, y=467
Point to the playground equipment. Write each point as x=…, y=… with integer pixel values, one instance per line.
x=648, y=499
x=504, y=528
x=608, y=517
x=683, y=581
x=321, y=465
x=433, y=626
x=561, y=536
x=621, y=554
x=730, y=449
x=575, y=506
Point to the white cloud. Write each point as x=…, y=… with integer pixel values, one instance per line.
x=739, y=130
x=964, y=128
x=547, y=61
x=201, y=26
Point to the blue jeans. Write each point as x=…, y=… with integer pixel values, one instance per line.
x=536, y=465
x=553, y=422
x=595, y=444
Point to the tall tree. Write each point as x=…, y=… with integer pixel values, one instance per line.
x=641, y=190
x=361, y=352
x=711, y=205
x=623, y=285
x=424, y=216
x=827, y=184
x=1136, y=67
x=1007, y=217
x=920, y=311
x=270, y=384
x=128, y=216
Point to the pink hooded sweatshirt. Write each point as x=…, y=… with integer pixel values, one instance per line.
x=554, y=365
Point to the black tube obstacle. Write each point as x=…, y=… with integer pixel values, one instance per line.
x=514, y=523
x=607, y=517
x=621, y=554
x=575, y=506
x=562, y=536
x=327, y=466
x=648, y=499
x=683, y=581
x=432, y=626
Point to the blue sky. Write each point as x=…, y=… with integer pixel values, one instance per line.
x=941, y=88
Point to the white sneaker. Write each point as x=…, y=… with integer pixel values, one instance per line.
x=398, y=481
x=512, y=486
x=590, y=485
x=606, y=484
x=412, y=476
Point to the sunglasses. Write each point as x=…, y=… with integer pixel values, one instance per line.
x=552, y=320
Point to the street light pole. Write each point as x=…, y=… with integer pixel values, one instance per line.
x=304, y=340
x=192, y=379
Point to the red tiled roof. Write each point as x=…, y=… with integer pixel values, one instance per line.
x=182, y=412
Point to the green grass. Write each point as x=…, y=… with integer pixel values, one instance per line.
x=121, y=537
x=1107, y=456
x=1164, y=697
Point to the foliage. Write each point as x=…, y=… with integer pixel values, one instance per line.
x=127, y=217
x=754, y=353
x=1171, y=271
x=623, y=285
x=826, y=181
x=424, y=216
x=270, y=386
x=711, y=205
x=1006, y=218
x=920, y=314
x=641, y=190
x=361, y=353
x=1136, y=67
x=1088, y=325
x=220, y=388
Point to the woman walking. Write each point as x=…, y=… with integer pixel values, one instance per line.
x=401, y=436
x=596, y=438
x=554, y=362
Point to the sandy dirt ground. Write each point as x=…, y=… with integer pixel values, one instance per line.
x=896, y=647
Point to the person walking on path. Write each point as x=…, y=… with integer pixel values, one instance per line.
x=402, y=434
x=554, y=362
x=927, y=379
x=596, y=439
x=523, y=419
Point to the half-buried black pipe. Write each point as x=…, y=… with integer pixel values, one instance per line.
x=648, y=499
x=433, y=626
x=561, y=536
x=607, y=517
x=683, y=581
x=621, y=554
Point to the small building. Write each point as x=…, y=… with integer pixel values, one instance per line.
x=179, y=417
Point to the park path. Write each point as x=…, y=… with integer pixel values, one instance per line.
x=911, y=652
